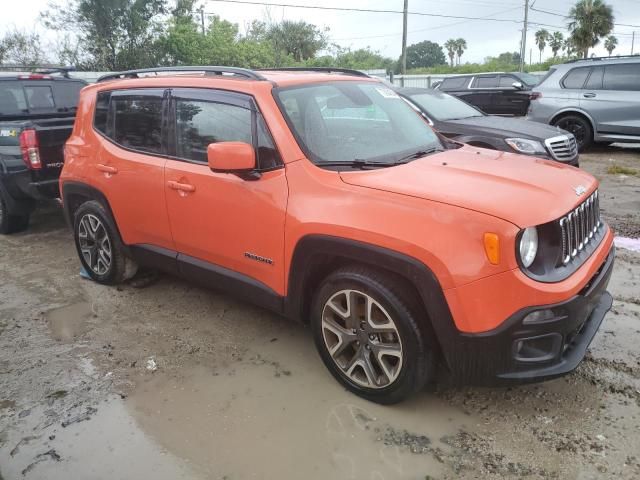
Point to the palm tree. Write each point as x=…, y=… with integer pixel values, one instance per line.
x=461, y=46
x=589, y=21
x=450, y=45
x=541, y=40
x=568, y=47
x=610, y=44
x=556, y=42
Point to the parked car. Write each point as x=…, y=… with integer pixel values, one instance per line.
x=37, y=111
x=597, y=99
x=464, y=123
x=322, y=196
x=493, y=93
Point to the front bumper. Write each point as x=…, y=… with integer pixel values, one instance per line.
x=520, y=351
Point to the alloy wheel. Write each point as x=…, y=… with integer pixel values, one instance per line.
x=95, y=245
x=362, y=339
x=574, y=126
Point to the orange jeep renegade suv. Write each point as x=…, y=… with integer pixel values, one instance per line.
x=323, y=196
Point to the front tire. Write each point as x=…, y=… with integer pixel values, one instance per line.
x=579, y=126
x=99, y=247
x=369, y=334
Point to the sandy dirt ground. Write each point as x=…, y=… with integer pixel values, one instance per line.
x=172, y=381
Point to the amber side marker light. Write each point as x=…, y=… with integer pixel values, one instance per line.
x=492, y=247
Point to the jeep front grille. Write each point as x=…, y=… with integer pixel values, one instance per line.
x=562, y=148
x=579, y=226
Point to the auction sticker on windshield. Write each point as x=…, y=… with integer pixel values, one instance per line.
x=387, y=92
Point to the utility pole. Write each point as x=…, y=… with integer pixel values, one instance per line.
x=633, y=41
x=202, y=18
x=404, y=38
x=523, y=43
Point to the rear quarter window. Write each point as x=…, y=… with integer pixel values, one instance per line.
x=575, y=78
x=454, y=83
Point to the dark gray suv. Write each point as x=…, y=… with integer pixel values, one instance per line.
x=597, y=99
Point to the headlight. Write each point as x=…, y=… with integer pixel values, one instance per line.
x=523, y=145
x=528, y=247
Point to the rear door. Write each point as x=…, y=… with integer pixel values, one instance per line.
x=129, y=165
x=509, y=100
x=220, y=219
x=611, y=96
x=481, y=93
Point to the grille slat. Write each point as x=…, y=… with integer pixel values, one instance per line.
x=579, y=226
x=562, y=148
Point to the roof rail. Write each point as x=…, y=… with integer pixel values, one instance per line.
x=344, y=71
x=637, y=56
x=64, y=71
x=209, y=70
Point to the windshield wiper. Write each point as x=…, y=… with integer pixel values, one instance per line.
x=418, y=154
x=359, y=163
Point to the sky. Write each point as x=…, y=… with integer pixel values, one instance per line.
x=382, y=32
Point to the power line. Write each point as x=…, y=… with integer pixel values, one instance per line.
x=362, y=10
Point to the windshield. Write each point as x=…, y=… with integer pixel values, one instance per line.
x=348, y=121
x=527, y=78
x=443, y=107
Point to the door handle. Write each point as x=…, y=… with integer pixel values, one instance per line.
x=589, y=95
x=183, y=187
x=107, y=168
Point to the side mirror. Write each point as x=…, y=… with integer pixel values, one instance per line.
x=232, y=157
x=517, y=85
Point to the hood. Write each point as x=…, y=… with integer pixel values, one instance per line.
x=505, y=127
x=523, y=190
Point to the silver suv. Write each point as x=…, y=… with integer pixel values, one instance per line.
x=597, y=99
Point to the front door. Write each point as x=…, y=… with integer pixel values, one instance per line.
x=221, y=222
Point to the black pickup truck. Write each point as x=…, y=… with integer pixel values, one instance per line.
x=37, y=111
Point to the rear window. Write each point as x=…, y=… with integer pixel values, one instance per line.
x=624, y=77
x=575, y=78
x=24, y=97
x=454, y=83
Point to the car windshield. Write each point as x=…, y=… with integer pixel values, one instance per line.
x=531, y=80
x=443, y=107
x=347, y=122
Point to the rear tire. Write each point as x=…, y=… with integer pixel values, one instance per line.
x=369, y=334
x=99, y=247
x=11, y=223
x=579, y=126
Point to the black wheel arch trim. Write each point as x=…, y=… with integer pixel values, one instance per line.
x=312, y=249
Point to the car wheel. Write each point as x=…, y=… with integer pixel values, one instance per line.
x=11, y=223
x=367, y=331
x=99, y=247
x=579, y=126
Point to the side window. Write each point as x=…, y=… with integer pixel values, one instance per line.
x=507, y=81
x=102, y=113
x=138, y=122
x=39, y=97
x=576, y=77
x=199, y=123
x=66, y=94
x=485, y=82
x=267, y=154
x=595, y=79
x=454, y=83
x=625, y=77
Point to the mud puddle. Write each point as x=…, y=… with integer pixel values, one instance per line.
x=278, y=414
x=107, y=444
x=69, y=322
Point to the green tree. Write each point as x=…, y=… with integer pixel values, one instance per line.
x=115, y=34
x=461, y=46
x=299, y=39
x=610, y=44
x=425, y=54
x=22, y=48
x=589, y=21
x=451, y=47
x=542, y=36
x=556, y=42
